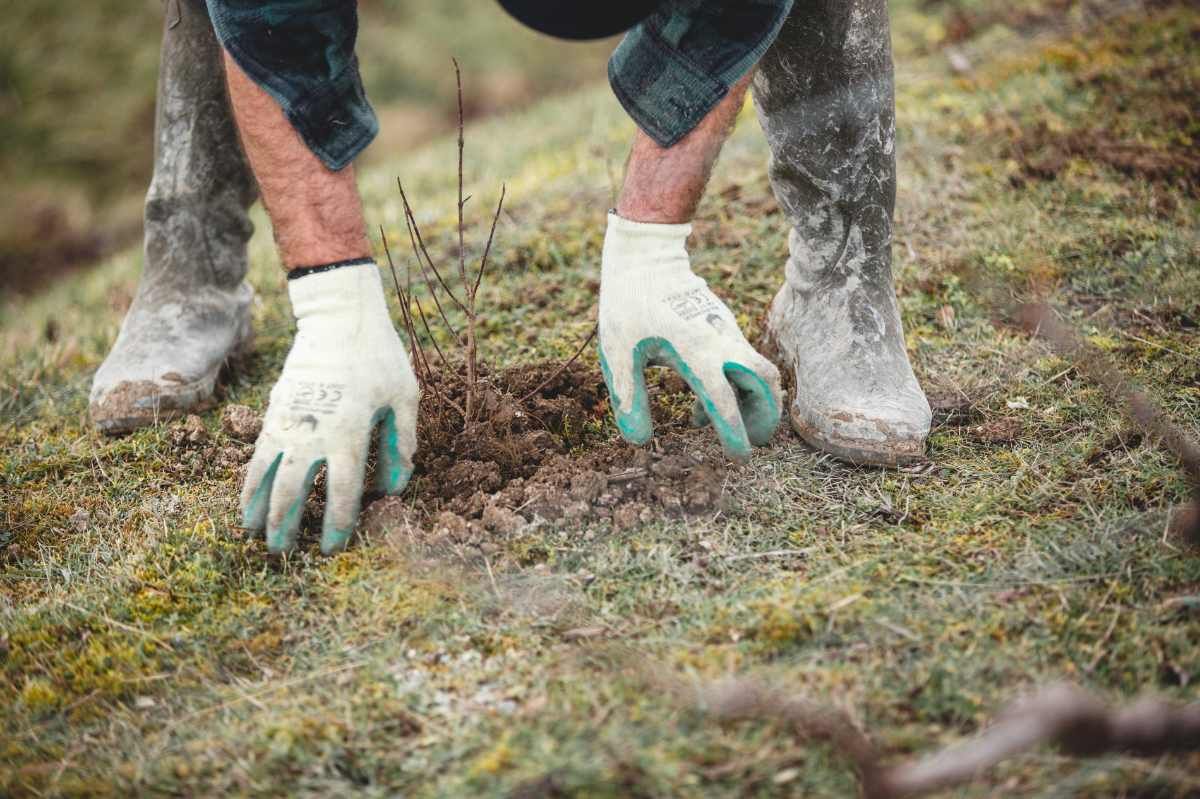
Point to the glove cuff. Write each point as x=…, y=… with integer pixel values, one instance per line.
x=635, y=248
x=355, y=289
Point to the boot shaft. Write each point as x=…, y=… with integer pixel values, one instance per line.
x=196, y=225
x=826, y=101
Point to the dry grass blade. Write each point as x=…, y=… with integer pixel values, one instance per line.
x=405, y=299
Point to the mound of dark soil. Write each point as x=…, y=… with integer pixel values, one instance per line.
x=541, y=448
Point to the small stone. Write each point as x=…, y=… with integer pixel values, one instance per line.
x=452, y=526
x=79, y=520
x=576, y=510
x=626, y=517
x=588, y=486
x=191, y=431
x=241, y=423
x=502, y=520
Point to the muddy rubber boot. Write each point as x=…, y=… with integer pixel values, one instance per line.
x=192, y=308
x=825, y=98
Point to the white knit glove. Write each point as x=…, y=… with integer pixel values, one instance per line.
x=655, y=311
x=347, y=373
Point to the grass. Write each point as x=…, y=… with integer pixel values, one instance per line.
x=146, y=647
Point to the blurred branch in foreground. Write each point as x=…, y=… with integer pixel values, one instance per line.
x=1062, y=715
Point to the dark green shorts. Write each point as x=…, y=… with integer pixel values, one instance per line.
x=672, y=69
x=668, y=72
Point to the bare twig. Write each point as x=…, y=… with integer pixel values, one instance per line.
x=420, y=250
x=406, y=301
x=438, y=305
x=487, y=249
x=563, y=368
x=404, y=298
x=462, y=248
x=469, y=287
x=471, y=281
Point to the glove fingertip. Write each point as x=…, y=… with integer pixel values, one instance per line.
x=283, y=530
x=282, y=537
x=635, y=424
x=334, y=540
x=256, y=501
x=760, y=408
x=730, y=431
x=393, y=470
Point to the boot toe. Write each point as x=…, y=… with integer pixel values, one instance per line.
x=165, y=363
x=881, y=433
x=129, y=405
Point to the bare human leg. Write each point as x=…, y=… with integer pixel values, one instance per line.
x=315, y=212
x=665, y=184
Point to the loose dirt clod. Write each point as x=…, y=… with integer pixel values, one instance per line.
x=190, y=432
x=501, y=520
x=1004, y=430
x=241, y=423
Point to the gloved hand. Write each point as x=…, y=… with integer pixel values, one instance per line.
x=655, y=311
x=347, y=373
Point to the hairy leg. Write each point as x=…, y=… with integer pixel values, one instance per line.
x=316, y=213
x=664, y=185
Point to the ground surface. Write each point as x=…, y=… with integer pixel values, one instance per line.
x=567, y=648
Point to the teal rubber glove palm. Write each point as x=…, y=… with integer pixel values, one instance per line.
x=347, y=375
x=654, y=311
